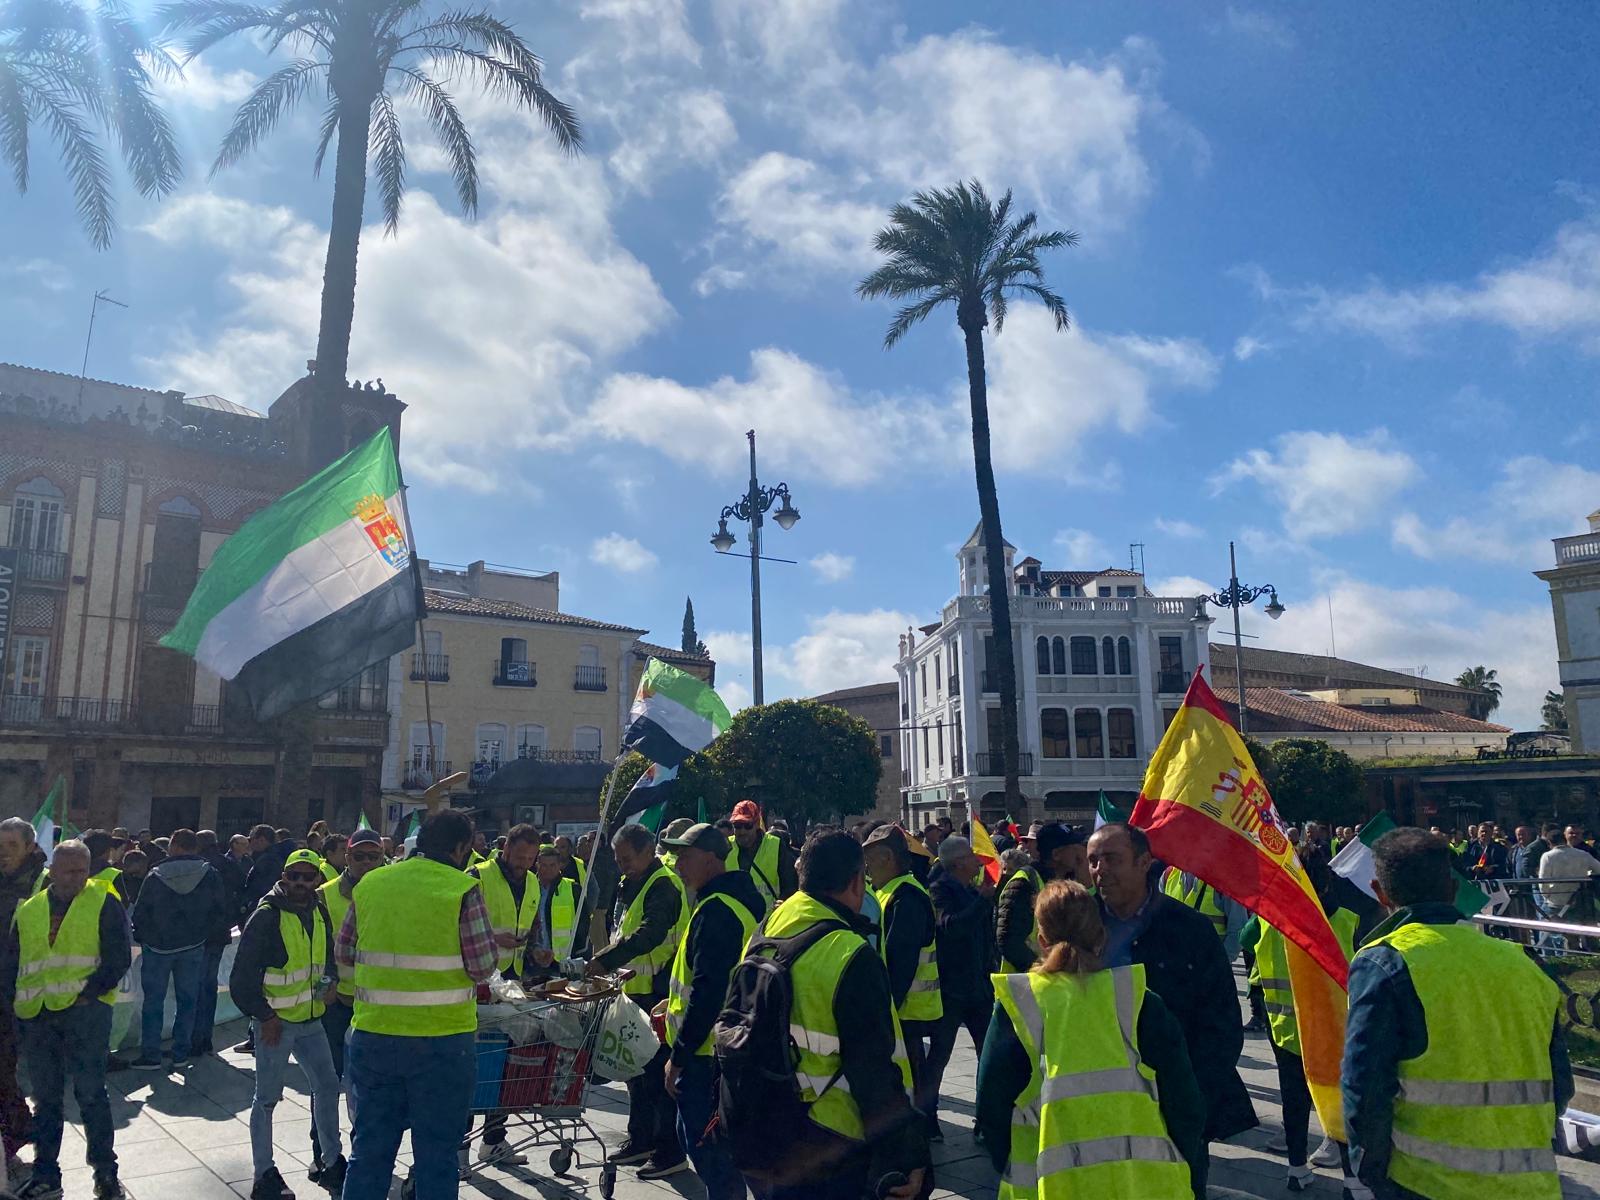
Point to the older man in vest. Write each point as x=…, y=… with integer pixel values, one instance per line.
x=1455, y=1065
x=68, y=949
x=651, y=917
x=764, y=856
x=558, y=930
x=418, y=938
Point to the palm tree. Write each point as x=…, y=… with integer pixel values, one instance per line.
x=80, y=72
x=1480, y=679
x=955, y=246
x=365, y=54
x=1554, y=713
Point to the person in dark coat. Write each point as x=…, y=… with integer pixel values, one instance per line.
x=21, y=865
x=963, y=909
x=268, y=853
x=1186, y=968
x=233, y=877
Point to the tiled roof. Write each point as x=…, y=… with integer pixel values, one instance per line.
x=472, y=606
x=1323, y=670
x=1276, y=711
x=667, y=654
x=873, y=691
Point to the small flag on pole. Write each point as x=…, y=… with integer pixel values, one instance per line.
x=651, y=790
x=48, y=822
x=1354, y=862
x=363, y=823
x=983, y=847
x=1107, y=813
x=674, y=715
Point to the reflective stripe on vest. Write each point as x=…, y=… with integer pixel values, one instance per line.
x=1202, y=898
x=1469, y=1124
x=653, y=962
x=563, y=919
x=1080, y=1033
x=505, y=914
x=763, y=869
x=923, y=1001
x=338, y=907
x=813, y=1023
x=51, y=975
x=291, y=990
x=682, y=982
x=410, y=980
x=1272, y=969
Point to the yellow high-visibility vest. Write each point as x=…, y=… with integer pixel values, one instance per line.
x=410, y=979
x=51, y=975
x=923, y=1002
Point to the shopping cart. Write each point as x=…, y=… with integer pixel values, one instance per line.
x=535, y=1066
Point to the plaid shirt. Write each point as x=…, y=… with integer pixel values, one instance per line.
x=479, y=955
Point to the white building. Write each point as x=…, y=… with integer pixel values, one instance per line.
x=1102, y=666
x=1575, y=598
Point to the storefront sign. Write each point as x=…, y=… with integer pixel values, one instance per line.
x=8, y=591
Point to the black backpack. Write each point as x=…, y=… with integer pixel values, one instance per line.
x=758, y=1093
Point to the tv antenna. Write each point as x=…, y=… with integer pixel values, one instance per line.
x=100, y=298
x=1139, y=565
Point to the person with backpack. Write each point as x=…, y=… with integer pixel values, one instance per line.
x=727, y=910
x=815, y=1090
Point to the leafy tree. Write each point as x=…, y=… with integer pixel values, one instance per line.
x=1314, y=781
x=363, y=55
x=696, y=782
x=1262, y=754
x=1482, y=680
x=955, y=246
x=80, y=72
x=691, y=640
x=798, y=759
x=1554, y=713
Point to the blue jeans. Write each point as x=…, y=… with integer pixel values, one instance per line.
x=697, y=1104
x=421, y=1083
x=184, y=968
x=205, y=1016
x=58, y=1046
x=309, y=1044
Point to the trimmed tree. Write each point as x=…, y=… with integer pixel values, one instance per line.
x=798, y=759
x=1313, y=781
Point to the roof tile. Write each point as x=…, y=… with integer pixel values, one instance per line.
x=439, y=601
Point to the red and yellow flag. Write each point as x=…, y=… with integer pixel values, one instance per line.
x=983, y=847
x=1206, y=810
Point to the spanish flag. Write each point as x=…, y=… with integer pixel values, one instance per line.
x=983, y=847
x=1206, y=810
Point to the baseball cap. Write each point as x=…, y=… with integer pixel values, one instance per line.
x=953, y=848
x=303, y=856
x=676, y=827
x=748, y=810
x=361, y=836
x=1052, y=837
x=887, y=833
x=701, y=836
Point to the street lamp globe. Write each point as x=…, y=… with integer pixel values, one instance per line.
x=722, y=541
x=1274, y=609
x=787, y=514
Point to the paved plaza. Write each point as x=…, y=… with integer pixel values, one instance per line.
x=185, y=1137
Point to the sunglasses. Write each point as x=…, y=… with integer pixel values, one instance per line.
x=742, y=825
x=366, y=856
x=303, y=876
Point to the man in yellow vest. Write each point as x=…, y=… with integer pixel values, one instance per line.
x=910, y=949
x=766, y=857
x=559, y=930
x=418, y=939
x=282, y=979
x=852, y=1069
x=650, y=920
x=1226, y=915
x=573, y=867
x=1059, y=852
x=363, y=853
x=68, y=948
x=1455, y=1065
x=726, y=912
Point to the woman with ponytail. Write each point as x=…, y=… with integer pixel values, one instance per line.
x=1085, y=1087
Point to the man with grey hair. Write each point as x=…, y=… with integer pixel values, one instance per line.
x=651, y=917
x=65, y=953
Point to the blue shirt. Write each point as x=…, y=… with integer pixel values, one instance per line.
x=1120, y=934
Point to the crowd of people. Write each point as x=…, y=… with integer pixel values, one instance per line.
x=1096, y=986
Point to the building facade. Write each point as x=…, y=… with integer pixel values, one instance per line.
x=1102, y=666
x=878, y=704
x=113, y=499
x=1574, y=584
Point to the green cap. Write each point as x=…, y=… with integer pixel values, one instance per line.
x=303, y=856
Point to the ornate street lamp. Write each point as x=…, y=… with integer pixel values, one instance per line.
x=1236, y=596
x=751, y=507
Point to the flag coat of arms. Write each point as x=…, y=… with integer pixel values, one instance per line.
x=311, y=590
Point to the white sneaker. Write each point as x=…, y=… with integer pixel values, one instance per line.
x=1300, y=1178
x=500, y=1154
x=1277, y=1144
x=1327, y=1154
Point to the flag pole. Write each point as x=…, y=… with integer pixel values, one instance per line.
x=422, y=607
x=601, y=834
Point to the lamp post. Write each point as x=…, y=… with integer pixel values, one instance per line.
x=1236, y=596
x=751, y=507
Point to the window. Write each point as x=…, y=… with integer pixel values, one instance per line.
x=531, y=741
x=492, y=743
x=1127, y=593
x=938, y=740
x=421, y=757
x=927, y=759
x=1041, y=655
x=1102, y=590
x=28, y=662
x=885, y=746
x=588, y=656
x=1172, y=654
x=1119, y=733
x=955, y=747
x=175, y=548
x=1083, y=656
x=924, y=703
x=586, y=740
x=992, y=729
x=1054, y=733
x=514, y=665
x=1090, y=743
x=1108, y=656
x=1168, y=716
x=1374, y=701
x=1124, y=656
x=1058, y=655
x=938, y=678
x=366, y=692
x=513, y=650
x=433, y=642
x=36, y=516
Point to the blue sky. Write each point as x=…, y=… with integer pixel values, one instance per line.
x=1337, y=297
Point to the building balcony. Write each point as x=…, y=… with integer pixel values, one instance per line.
x=514, y=673
x=63, y=712
x=1076, y=608
x=422, y=773
x=351, y=728
x=1582, y=548
x=48, y=567
x=435, y=668
x=543, y=754
x=989, y=763
x=1130, y=769
x=1172, y=682
x=589, y=679
x=91, y=714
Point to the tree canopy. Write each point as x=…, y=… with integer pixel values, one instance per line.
x=1313, y=781
x=1481, y=679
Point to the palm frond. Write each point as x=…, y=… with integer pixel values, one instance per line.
x=14, y=124
x=452, y=133
x=1050, y=299
x=330, y=126
x=86, y=168
x=910, y=315
x=128, y=63
x=388, y=160
x=275, y=95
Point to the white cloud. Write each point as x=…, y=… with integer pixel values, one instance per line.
x=1256, y=25
x=833, y=568
x=837, y=650
x=1083, y=550
x=672, y=129
x=1462, y=538
x=199, y=86
x=1326, y=483
x=1179, y=529
x=39, y=272
x=1180, y=585
x=1245, y=348
x=778, y=35
x=1555, y=496
x=623, y=554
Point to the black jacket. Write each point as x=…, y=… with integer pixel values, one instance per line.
x=713, y=947
x=965, y=921
x=661, y=910
x=1014, y=922
x=180, y=905
x=266, y=869
x=233, y=877
x=261, y=949
x=907, y=927
x=1190, y=972
x=116, y=954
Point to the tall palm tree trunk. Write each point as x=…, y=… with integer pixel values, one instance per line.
x=971, y=320
x=339, y=272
